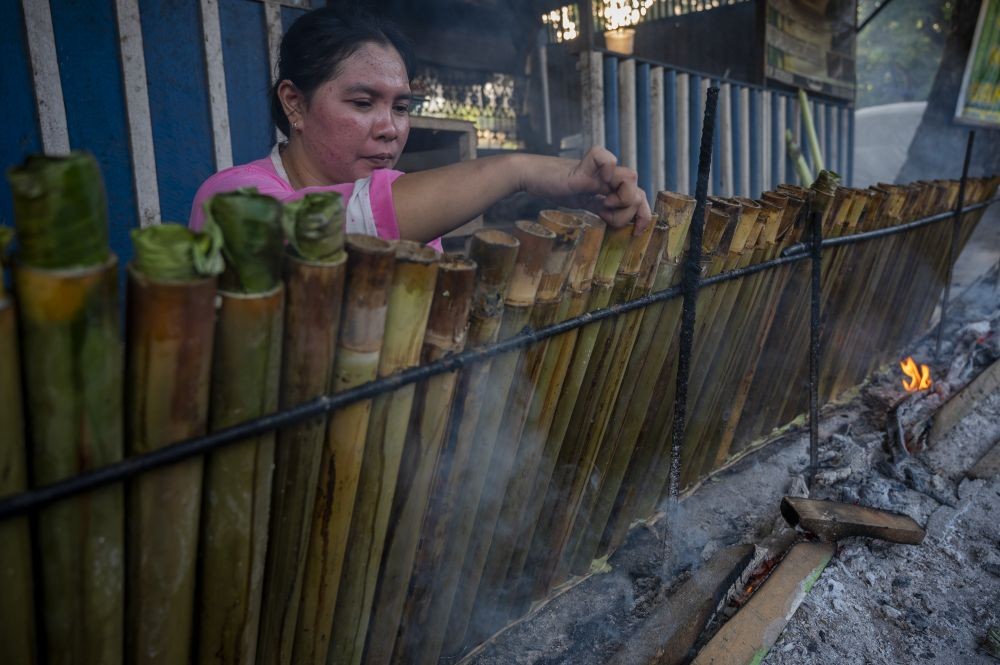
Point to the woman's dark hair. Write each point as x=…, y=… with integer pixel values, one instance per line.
x=318, y=42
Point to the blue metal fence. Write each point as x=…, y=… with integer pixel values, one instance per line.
x=749, y=155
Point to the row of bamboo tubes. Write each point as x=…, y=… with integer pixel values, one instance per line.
x=415, y=524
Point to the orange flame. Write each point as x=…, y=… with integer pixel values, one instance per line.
x=917, y=379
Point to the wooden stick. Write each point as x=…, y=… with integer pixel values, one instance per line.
x=167, y=370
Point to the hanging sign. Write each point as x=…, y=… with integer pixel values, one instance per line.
x=979, y=97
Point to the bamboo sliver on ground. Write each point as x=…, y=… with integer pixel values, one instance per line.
x=439, y=555
x=314, y=274
x=245, y=378
x=486, y=610
x=409, y=304
x=17, y=604
x=66, y=283
x=446, y=334
x=536, y=243
x=369, y=271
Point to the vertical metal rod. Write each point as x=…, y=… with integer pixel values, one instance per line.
x=689, y=287
x=955, y=229
x=816, y=217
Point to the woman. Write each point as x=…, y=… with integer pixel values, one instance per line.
x=343, y=100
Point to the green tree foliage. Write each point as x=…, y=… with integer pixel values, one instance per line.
x=899, y=52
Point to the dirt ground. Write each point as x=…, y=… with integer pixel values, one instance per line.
x=876, y=602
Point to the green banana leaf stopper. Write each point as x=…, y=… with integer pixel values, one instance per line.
x=314, y=226
x=251, y=228
x=60, y=211
x=175, y=253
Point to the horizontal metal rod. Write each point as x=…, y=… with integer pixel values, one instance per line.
x=33, y=499
x=803, y=248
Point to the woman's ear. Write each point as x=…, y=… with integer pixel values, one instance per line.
x=293, y=102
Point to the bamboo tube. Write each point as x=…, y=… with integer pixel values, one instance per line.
x=245, y=379
x=314, y=273
x=167, y=373
x=460, y=469
x=613, y=248
x=409, y=304
x=807, y=118
x=654, y=349
x=590, y=367
x=795, y=154
x=67, y=293
x=17, y=604
x=369, y=272
x=446, y=334
x=510, y=443
x=542, y=410
x=536, y=247
x=585, y=533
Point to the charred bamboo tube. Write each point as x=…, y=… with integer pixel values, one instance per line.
x=17, y=604
x=314, y=273
x=446, y=334
x=649, y=357
x=613, y=249
x=576, y=454
x=448, y=519
x=245, y=378
x=369, y=271
x=536, y=247
x=67, y=293
x=536, y=428
x=170, y=325
x=409, y=304
x=577, y=553
x=510, y=443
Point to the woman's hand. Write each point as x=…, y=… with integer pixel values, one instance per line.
x=596, y=182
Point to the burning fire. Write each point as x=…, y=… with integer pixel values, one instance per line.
x=917, y=379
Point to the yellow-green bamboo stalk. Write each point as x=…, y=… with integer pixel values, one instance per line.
x=597, y=460
x=370, y=264
x=409, y=306
x=798, y=160
x=807, y=118
x=510, y=443
x=619, y=244
x=460, y=468
x=536, y=429
x=66, y=283
x=446, y=334
x=168, y=363
x=654, y=342
x=245, y=379
x=536, y=247
x=17, y=604
x=314, y=271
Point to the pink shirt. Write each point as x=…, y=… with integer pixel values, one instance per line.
x=374, y=214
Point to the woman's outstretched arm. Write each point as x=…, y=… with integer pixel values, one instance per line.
x=431, y=203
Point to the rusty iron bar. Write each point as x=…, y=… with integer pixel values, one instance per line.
x=815, y=320
x=689, y=286
x=955, y=230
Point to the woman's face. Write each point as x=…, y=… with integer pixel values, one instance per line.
x=359, y=121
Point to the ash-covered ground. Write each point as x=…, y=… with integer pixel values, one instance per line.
x=876, y=602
